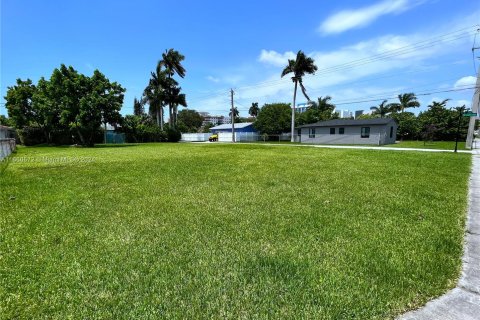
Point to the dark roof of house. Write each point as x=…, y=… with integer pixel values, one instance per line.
x=349, y=122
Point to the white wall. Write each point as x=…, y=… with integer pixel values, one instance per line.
x=352, y=135
x=195, y=137
x=7, y=146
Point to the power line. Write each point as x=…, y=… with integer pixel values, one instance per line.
x=421, y=93
x=442, y=38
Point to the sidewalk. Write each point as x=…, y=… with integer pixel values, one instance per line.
x=355, y=147
x=463, y=302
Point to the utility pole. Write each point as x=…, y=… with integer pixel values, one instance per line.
x=460, y=116
x=233, y=116
x=475, y=109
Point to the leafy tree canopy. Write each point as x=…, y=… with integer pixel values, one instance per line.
x=67, y=101
x=189, y=120
x=320, y=110
x=274, y=118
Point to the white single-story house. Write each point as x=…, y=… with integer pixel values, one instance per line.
x=376, y=131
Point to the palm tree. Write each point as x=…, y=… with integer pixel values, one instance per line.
x=323, y=104
x=155, y=95
x=175, y=100
x=436, y=104
x=253, y=111
x=319, y=110
x=138, y=109
x=235, y=114
x=383, y=109
x=171, y=61
x=299, y=67
x=405, y=101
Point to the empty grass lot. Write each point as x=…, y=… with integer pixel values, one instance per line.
x=227, y=231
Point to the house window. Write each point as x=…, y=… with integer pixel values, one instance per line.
x=341, y=130
x=365, y=132
x=311, y=133
x=391, y=132
x=332, y=130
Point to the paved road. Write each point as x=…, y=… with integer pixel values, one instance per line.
x=463, y=302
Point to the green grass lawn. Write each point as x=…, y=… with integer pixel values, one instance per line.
x=228, y=231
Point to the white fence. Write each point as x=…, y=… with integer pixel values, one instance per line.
x=7, y=141
x=195, y=137
x=222, y=136
x=239, y=136
x=7, y=146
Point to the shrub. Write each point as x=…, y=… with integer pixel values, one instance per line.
x=173, y=135
x=30, y=136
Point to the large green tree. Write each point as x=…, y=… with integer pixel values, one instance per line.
x=274, y=118
x=19, y=103
x=68, y=101
x=87, y=103
x=408, y=125
x=189, y=120
x=300, y=66
x=4, y=121
x=441, y=123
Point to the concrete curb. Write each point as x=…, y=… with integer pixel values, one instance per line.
x=463, y=302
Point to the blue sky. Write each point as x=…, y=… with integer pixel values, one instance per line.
x=424, y=46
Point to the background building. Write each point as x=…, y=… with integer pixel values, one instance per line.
x=214, y=120
x=344, y=113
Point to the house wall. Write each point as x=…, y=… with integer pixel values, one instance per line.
x=379, y=134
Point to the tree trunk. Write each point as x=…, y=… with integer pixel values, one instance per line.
x=175, y=109
x=80, y=135
x=292, y=139
x=159, y=118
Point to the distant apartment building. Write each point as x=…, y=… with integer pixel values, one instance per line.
x=214, y=120
x=358, y=113
x=301, y=107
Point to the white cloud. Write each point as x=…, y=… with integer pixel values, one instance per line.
x=463, y=102
x=274, y=58
x=357, y=18
x=381, y=77
x=213, y=79
x=465, y=81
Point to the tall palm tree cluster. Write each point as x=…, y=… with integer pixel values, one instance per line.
x=405, y=101
x=163, y=90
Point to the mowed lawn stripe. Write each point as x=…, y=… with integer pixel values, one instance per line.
x=206, y=230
